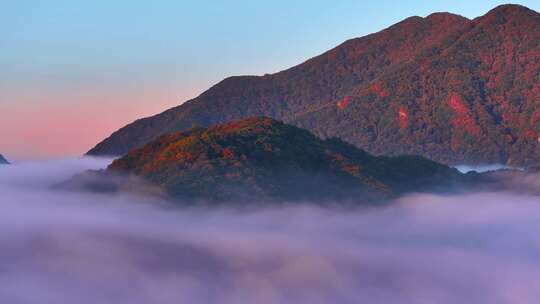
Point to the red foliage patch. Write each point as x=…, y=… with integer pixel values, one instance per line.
x=462, y=116
x=379, y=90
x=529, y=133
x=228, y=153
x=232, y=127
x=342, y=104
x=403, y=117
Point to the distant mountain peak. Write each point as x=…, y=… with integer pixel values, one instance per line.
x=510, y=9
x=508, y=12
x=3, y=160
x=445, y=17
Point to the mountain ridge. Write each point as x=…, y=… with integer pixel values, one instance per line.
x=393, y=92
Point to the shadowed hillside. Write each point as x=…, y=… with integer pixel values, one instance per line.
x=260, y=159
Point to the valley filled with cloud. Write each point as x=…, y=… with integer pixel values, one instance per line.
x=75, y=247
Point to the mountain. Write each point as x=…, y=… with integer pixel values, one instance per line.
x=445, y=87
x=260, y=159
x=3, y=161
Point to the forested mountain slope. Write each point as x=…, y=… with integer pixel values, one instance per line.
x=445, y=87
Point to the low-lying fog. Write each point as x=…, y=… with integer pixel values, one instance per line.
x=483, y=168
x=58, y=247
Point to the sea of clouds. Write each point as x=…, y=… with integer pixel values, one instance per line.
x=69, y=247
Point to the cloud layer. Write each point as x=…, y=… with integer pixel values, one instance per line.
x=60, y=247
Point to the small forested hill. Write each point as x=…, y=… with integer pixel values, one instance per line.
x=445, y=87
x=3, y=161
x=260, y=159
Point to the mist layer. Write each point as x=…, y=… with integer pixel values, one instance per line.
x=68, y=247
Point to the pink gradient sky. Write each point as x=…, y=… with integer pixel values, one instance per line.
x=45, y=124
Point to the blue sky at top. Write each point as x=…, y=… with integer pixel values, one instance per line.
x=74, y=42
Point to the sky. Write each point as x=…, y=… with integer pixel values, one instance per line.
x=73, y=71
